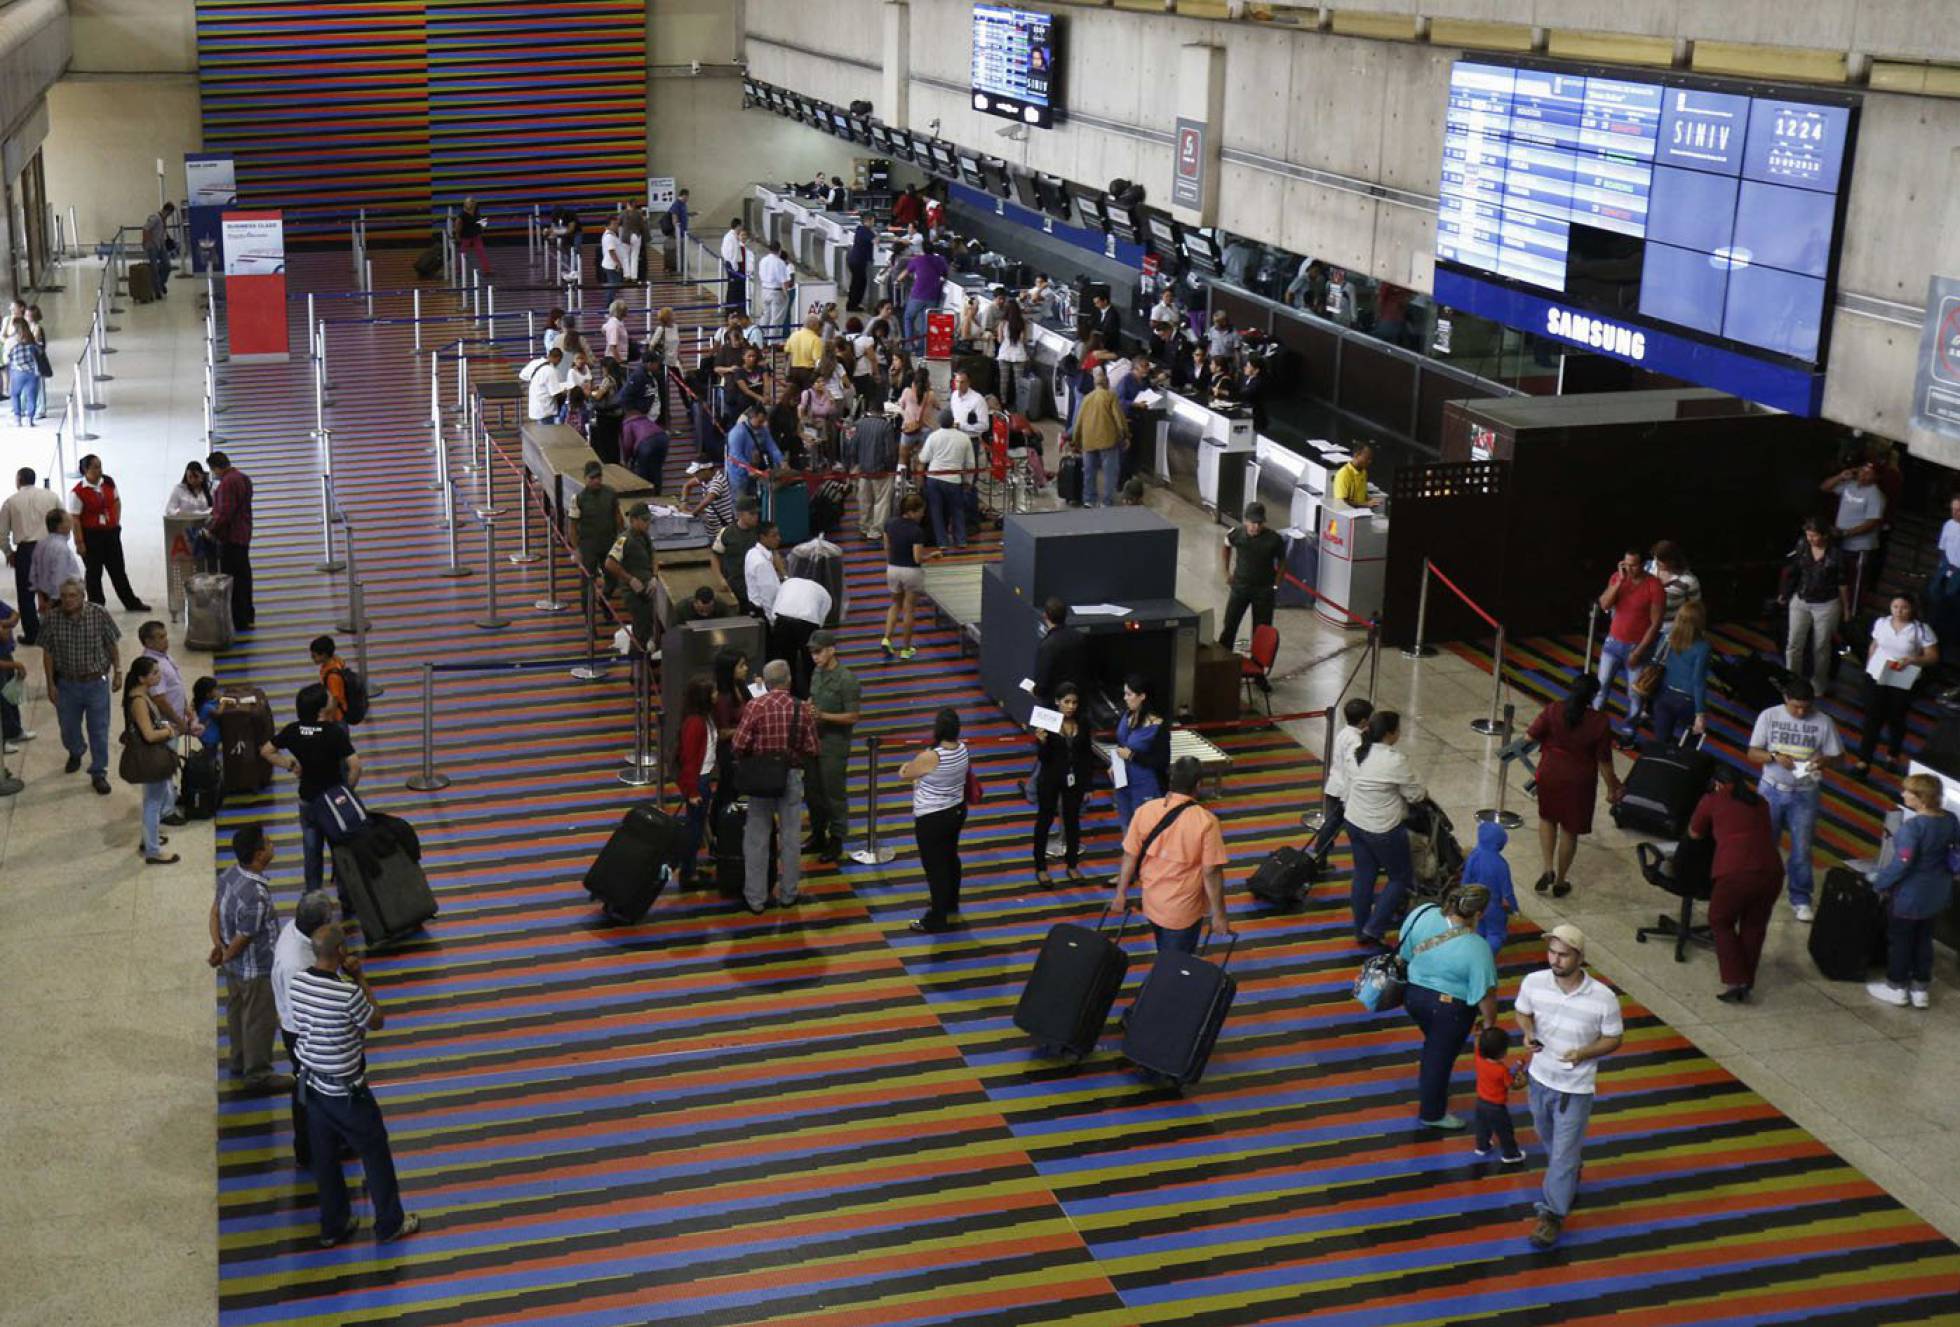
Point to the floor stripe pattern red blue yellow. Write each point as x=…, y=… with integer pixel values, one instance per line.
x=823, y=1119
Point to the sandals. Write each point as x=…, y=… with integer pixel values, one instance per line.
x=1043, y=879
x=1561, y=889
x=1075, y=874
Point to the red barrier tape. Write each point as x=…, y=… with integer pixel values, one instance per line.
x=1437, y=571
x=1342, y=609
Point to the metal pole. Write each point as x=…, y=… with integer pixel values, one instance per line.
x=491, y=619
x=1313, y=820
x=326, y=378
x=530, y=330
x=328, y=562
x=102, y=327
x=312, y=346
x=592, y=670
x=367, y=277
x=1507, y=819
x=1494, y=725
x=490, y=313
x=455, y=567
x=74, y=234
x=1374, y=655
x=524, y=555
x=355, y=620
x=1592, y=626
x=415, y=315
x=462, y=375
x=319, y=402
x=648, y=287
x=489, y=507
x=1421, y=649
x=435, y=390
x=550, y=603
x=98, y=345
x=639, y=760
x=79, y=399
x=427, y=780
x=873, y=853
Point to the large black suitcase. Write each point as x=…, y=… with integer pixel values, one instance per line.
x=204, y=785
x=1847, y=937
x=244, y=726
x=1074, y=982
x=731, y=867
x=384, y=885
x=1662, y=790
x=429, y=261
x=630, y=871
x=1752, y=681
x=1284, y=878
x=1175, y=1021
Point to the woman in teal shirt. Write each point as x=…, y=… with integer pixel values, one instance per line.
x=1682, y=705
x=1452, y=980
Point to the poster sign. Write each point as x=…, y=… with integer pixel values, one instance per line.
x=255, y=243
x=1936, y=385
x=209, y=180
x=1188, y=168
x=660, y=193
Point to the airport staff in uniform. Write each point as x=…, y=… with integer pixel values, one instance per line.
x=1351, y=480
x=632, y=561
x=774, y=273
x=734, y=265
x=834, y=695
x=595, y=522
x=864, y=243
x=1254, y=572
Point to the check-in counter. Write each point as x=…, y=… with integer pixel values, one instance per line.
x=556, y=455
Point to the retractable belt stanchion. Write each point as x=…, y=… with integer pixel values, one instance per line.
x=489, y=507
x=1506, y=819
x=427, y=780
x=415, y=315
x=328, y=562
x=523, y=555
x=359, y=583
x=1421, y=649
x=455, y=567
x=79, y=399
x=642, y=760
x=355, y=620
x=1592, y=629
x=367, y=277
x=551, y=602
x=1314, y=821
x=873, y=853
x=491, y=620
x=1374, y=655
x=592, y=670
x=1494, y=725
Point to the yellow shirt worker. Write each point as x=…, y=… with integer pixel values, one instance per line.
x=1351, y=480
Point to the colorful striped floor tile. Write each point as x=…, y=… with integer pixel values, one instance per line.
x=823, y=1119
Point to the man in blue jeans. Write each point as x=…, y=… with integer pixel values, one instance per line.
x=81, y=661
x=1791, y=742
x=1635, y=600
x=1174, y=852
x=319, y=751
x=928, y=271
x=1570, y=1021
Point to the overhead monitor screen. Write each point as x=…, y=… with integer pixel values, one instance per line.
x=1684, y=205
x=1015, y=64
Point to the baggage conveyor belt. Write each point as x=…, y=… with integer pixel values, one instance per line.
x=1213, y=760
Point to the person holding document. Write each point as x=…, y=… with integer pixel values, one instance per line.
x=1065, y=764
x=1901, y=646
x=1142, y=758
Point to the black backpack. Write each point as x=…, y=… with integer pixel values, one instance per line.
x=357, y=695
x=666, y=223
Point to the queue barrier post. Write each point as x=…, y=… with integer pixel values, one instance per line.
x=427, y=780
x=455, y=568
x=1592, y=629
x=642, y=760
x=551, y=603
x=1421, y=649
x=1493, y=725
x=79, y=398
x=1497, y=814
x=593, y=669
x=873, y=853
x=1314, y=821
x=491, y=620
x=524, y=555
x=489, y=507
x=367, y=277
x=415, y=316
x=354, y=620
x=328, y=562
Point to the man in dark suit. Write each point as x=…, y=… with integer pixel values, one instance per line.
x=864, y=241
x=1062, y=656
x=1109, y=324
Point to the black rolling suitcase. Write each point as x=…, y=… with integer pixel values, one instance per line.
x=1847, y=937
x=731, y=868
x=1074, y=982
x=1175, y=1021
x=1752, y=681
x=383, y=884
x=1284, y=878
x=1068, y=481
x=1662, y=790
x=629, y=872
x=429, y=261
x=204, y=785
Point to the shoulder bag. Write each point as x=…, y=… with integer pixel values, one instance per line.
x=1383, y=981
x=143, y=761
x=767, y=774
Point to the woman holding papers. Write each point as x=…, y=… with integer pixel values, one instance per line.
x=1901, y=646
x=1065, y=763
x=1142, y=759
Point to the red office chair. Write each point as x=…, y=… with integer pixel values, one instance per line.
x=1257, y=665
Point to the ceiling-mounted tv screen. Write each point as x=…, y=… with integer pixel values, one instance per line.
x=1053, y=191
x=970, y=169
x=1025, y=190
x=881, y=137
x=1090, y=204
x=1696, y=219
x=1016, y=64
x=942, y=159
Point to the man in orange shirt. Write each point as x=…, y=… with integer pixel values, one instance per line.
x=1180, y=868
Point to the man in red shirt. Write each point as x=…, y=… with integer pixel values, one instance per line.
x=230, y=523
x=1635, y=600
x=775, y=726
x=97, y=510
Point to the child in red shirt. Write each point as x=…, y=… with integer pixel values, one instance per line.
x=1495, y=1079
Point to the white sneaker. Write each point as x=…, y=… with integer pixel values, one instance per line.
x=1806, y=913
x=25, y=735
x=1921, y=998
x=9, y=748
x=1886, y=993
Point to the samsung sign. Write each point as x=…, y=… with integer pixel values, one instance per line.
x=1777, y=384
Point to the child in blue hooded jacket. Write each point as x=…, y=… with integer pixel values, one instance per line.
x=1487, y=867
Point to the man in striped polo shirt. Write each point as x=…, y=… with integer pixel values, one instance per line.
x=1571, y=1021
x=333, y=1011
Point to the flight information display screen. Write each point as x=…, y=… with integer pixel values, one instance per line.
x=1674, y=205
x=1015, y=70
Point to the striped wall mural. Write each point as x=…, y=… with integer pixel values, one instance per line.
x=404, y=107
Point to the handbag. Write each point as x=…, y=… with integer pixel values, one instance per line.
x=1383, y=981
x=1648, y=681
x=974, y=791
x=767, y=775
x=144, y=762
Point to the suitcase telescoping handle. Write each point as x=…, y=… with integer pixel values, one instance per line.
x=1230, y=945
x=1123, y=922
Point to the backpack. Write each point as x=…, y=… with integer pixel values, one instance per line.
x=666, y=223
x=357, y=695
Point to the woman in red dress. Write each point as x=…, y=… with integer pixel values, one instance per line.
x=1575, y=749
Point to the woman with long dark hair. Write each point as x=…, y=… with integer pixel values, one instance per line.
x=1747, y=875
x=1143, y=745
x=1065, y=763
x=695, y=766
x=938, y=778
x=1575, y=744
x=145, y=727
x=1901, y=646
x=1380, y=785
x=731, y=695
x=1011, y=351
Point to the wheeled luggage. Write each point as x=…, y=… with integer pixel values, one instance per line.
x=244, y=726
x=142, y=282
x=787, y=503
x=1752, y=681
x=429, y=261
x=1284, y=878
x=823, y=562
x=207, y=597
x=1071, y=987
x=1032, y=396
x=1434, y=852
x=1847, y=937
x=731, y=867
x=1175, y=1021
x=203, y=789
x=629, y=872
x=385, y=886
x=1661, y=792
x=1068, y=480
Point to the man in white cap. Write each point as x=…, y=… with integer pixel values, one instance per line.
x=1570, y=1020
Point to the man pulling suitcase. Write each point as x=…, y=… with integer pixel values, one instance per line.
x=1180, y=871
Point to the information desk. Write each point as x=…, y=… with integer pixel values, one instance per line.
x=1353, y=562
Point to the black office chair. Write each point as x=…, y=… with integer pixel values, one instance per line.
x=1684, y=873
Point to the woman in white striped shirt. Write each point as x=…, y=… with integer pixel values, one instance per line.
x=938, y=777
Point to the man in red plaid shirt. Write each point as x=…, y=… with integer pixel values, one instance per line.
x=775, y=726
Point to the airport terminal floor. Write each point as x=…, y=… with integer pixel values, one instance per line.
x=818, y=1116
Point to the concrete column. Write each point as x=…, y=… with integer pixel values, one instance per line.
x=895, y=80
x=1200, y=101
